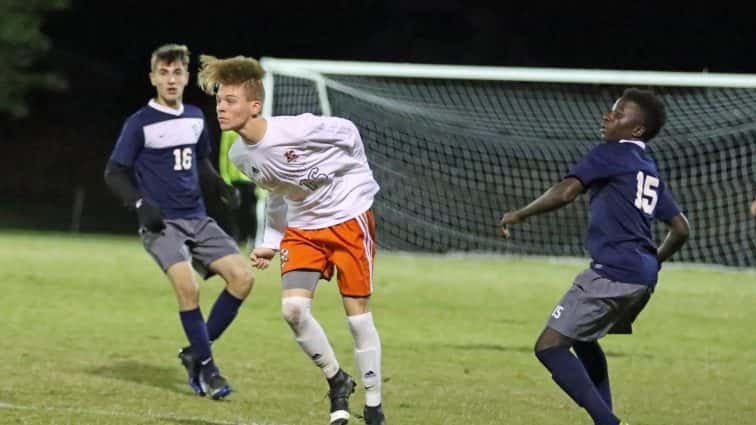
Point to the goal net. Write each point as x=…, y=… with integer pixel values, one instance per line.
x=454, y=147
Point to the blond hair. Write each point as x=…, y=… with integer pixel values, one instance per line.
x=170, y=53
x=239, y=70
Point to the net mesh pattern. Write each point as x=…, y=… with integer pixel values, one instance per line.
x=452, y=155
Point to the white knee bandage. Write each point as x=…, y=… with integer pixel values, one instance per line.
x=309, y=334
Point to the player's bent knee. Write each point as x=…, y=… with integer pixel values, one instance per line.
x=240, y=281
x=295, y=310
x=246, y=280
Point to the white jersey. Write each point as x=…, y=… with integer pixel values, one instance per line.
x=315, y=169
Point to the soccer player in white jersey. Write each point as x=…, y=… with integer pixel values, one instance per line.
x=318, y=217
x=154, y=169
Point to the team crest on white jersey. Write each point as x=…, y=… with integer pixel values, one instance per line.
x=291, y=156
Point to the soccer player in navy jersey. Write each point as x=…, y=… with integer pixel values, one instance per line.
x=626, y=193
x=155, y=170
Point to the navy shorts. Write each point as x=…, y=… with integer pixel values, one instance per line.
x=199, y=240
x=595, y=306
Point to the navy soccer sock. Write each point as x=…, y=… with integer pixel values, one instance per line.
x=223, y=313
x=594, y=360
x=568, y=372
x=196, y=333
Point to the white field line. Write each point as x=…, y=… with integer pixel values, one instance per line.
x=113, y=413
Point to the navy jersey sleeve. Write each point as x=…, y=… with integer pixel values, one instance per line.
x=666, y=208
x=203, y=144
x=595, y=166
x=129, y=144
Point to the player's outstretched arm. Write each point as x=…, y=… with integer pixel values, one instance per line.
x=679, y=231
x=753, y=208
x=556, y=197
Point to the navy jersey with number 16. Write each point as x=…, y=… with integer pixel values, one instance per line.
x=163, y=145
x=626, y=193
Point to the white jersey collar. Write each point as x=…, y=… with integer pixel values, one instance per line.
x=162, y=108
x=635, y=142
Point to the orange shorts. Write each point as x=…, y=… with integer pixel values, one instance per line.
x=347, y=246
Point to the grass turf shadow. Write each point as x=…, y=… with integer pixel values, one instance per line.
x=163, y=377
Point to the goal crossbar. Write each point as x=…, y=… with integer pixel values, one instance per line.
x=303, y=67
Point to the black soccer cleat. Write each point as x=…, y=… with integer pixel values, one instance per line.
x=342, y=386
x=192, y=366
x=214, y=385
x=373, y=415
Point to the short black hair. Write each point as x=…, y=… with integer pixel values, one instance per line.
x=654, y=111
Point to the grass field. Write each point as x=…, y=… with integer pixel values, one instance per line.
x=89, y=334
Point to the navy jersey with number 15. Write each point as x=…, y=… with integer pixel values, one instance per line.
x=163, y=145
x=626, y=193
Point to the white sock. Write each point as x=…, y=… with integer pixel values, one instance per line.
x=309, y=334
x=367, y=353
